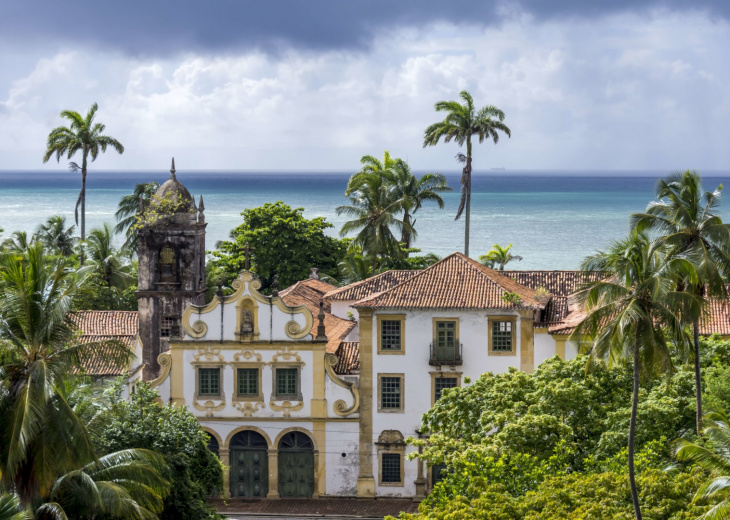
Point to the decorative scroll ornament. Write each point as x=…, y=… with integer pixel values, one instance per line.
x=209, y=407
x=286, y=355
x=210, y=353
x=293, y=328
x=165, y=362
x=249, y=407
x=199, y=328
x=340, y=406
x=247, y=354
x=287, y=407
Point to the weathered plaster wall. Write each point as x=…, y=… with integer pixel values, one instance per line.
x=544, y=347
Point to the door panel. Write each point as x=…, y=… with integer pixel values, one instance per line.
x=249, y=475
x=296, y=474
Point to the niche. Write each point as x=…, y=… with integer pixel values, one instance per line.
x=247, y=327
x=168, y=264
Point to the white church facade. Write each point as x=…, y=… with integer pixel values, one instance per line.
x=312, y=391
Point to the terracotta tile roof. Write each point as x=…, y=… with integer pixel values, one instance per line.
x=456, y=282
x=348, y=355
x=309, y=292
x=106, y=326
x=375, y=284
x=559, y=283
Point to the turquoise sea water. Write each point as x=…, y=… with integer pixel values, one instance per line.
x=554, y=219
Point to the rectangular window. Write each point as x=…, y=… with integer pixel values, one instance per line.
x=390, y=393
x=287, y=384
x=442, y=383
x=390, y=471
x=248, y=382
x=502, y=336
x=445, y=334
x=166, y=326
x=209, y=381
x=390, y=335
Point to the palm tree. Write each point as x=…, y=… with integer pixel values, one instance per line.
x=370, y=165
x=374, y=211
x=460, y=124
x=630, y=314
x=56, y=236
x=10, y=508
x=40, y=435
x=414, y=192
x=126, y=215
x=104, y=259
x=85, y=136
x=18, y=243
x=686, y=219
x=499, y=256
x=714, y=457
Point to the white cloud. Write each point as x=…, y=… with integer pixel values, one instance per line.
x=627, y=91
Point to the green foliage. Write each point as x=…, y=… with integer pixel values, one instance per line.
x=95, y=295
x=126, y=214
x=498, y=257
x=284, y=244
x=162, y=209
x=513, y=298
x=174, y=433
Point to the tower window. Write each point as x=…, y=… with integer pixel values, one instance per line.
x=168, y=267
x=166, y=325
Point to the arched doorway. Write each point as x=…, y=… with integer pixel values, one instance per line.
x=249, y=465
x=296, y=466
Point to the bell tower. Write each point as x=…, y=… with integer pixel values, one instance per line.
x=171, y=254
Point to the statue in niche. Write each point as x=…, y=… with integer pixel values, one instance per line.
x=247, y=325
x=167, y=264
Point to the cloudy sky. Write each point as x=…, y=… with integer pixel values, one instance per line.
x=315, y=84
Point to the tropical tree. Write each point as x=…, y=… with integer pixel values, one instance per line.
x=630, y=314
x=10, y=508
x=56, y=236
x=462, y=122
x=18, y=243
x=104, y=259
x=403, y=185
x=686, y=219
x=374, y=211
x=129, y=206
x=498, y=256
x=713, y=456
x=85, y=136
x=40, y=435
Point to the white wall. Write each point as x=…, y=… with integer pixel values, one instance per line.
x=342, y=472
x=544, y=347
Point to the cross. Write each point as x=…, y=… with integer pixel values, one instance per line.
x=247, y=250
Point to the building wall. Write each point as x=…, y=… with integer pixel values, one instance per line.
x=544, y=346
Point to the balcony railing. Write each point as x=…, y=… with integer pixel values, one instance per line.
x=446, y=354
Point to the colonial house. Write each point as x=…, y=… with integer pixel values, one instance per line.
x=312, y=391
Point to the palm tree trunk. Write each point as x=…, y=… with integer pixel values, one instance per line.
x=405, y=236
x=83, y=213
x=467, y=181
x=632, y=432
x=698, y=376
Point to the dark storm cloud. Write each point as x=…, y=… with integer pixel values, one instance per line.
x=155, y=27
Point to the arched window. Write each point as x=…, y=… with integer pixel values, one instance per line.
x=168, y=264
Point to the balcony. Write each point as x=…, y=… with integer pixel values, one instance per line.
x=446, y=354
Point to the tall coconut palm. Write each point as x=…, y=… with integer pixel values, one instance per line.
x=370, y=165
x=104, y=259
x=462, y=122
x=713, y=456
x=498, y=256
x=374, y=211
x=685, y=218
x=18, y=243
x=127, y=213
x=85, y=136
x=56, y=236
x=630, y=314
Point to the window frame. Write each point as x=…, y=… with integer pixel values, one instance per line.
x=246, y=397
x=402, y=407
x=383, y=457
x=275, y=396
x=498, y=319
x=379, y=319
x=173, y=321
x=221, y=395
x=443, y=375
x=390, y=442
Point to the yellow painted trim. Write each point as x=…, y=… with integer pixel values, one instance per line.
x=365, y=479
x=247, y=364
x=245, y=428
x=214, y=434
x=527, y=342
x=319, y=435
x=231, y=345
x=392, y=317
x=560, y=347
x=177, y=389
x=394, y=448
x=491, y=320
x=247, y=302
x=279, y=419
x=442, y=374
x=165, y=361
x=340, y=406
x=402, y=408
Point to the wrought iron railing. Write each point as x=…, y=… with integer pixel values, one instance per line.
x=446, y=354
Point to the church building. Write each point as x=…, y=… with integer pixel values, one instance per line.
x=313, y=390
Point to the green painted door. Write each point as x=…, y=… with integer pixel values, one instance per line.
x=296, y=474
x=296, y=466
x=249, y=473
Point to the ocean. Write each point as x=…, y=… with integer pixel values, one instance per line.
x=553, y=219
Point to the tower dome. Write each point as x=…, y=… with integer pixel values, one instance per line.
x=174, y=199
